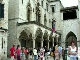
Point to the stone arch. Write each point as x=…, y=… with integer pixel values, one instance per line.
x=24, y=28
x=25, y=38
x=29, y=13
x=45, y=37
x=38, y=35
x=51, y=40
x=70, y=37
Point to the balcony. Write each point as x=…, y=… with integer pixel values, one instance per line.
x=34, y=22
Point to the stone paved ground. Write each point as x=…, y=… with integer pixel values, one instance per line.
x=50, y=58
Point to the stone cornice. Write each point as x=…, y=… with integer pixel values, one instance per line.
x=3, y=29
x=34, y=22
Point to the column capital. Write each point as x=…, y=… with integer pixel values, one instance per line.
x=48, y=40
x=33, y=38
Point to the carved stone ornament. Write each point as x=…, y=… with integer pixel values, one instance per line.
x=30, y=36
x=45, y=37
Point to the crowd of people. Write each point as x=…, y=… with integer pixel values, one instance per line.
x=25, y=53
x=57, y=52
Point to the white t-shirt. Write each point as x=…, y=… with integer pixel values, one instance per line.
x=35, y=52
x=73, y=50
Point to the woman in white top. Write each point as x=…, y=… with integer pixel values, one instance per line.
x=72, y=51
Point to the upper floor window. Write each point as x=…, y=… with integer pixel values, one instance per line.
x=2, y=42
x=70, y=14
x=53, y=9
x=47, y=6
x=45, y=21
x=1, y=10
x=28, y=14
x=38, y=13
x=28, y=11
x=42, y=3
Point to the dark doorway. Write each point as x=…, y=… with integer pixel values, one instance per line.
x=23, y=43
x=70, y=37
x=45, y=43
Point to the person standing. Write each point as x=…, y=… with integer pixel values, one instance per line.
x=60, y=51
x=56, y=52
x=35, y=53
x=18, y=50
x=22, y=54
x=26, y=53
x=30, y=53
x=72, y=51
x=42, y=50
x=12, y=52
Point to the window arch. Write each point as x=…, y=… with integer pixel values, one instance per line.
x=45, y=21
x=38, y=15
x=28, y=11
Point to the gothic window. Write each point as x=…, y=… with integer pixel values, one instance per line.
x=38, y=13
x=47, y=6
x=42, y=3
x=45, y=21
x=53, y=9
x=28, y=12
x=1, y=10
x=2, y=43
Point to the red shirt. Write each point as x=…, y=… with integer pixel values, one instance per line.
x=12, y=50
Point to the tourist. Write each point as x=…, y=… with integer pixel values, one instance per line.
x=12, y=52
x=18, y=50
x=60, y=51
x=42, y=50
x=46, y=53
x=26, y=53
x=22, y=54
x=72, y=51
x=56, y=53
x=30, y=53
x=35, y=53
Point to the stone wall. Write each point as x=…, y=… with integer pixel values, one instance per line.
x=3, y=30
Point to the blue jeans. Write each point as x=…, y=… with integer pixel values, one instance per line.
x=35, y=57
x=73, y=58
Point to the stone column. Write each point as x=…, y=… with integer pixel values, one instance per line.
x=42, y=43
x=48, y=43
x=33, y=43
x=53, y=41
x=57, y=38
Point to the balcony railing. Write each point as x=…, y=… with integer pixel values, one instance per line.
x=34, y=22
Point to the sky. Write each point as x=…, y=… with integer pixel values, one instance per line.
x=68, y=3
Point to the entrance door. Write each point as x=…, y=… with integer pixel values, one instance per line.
x=23, y=43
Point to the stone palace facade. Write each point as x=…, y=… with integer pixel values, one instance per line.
x=29, y=23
